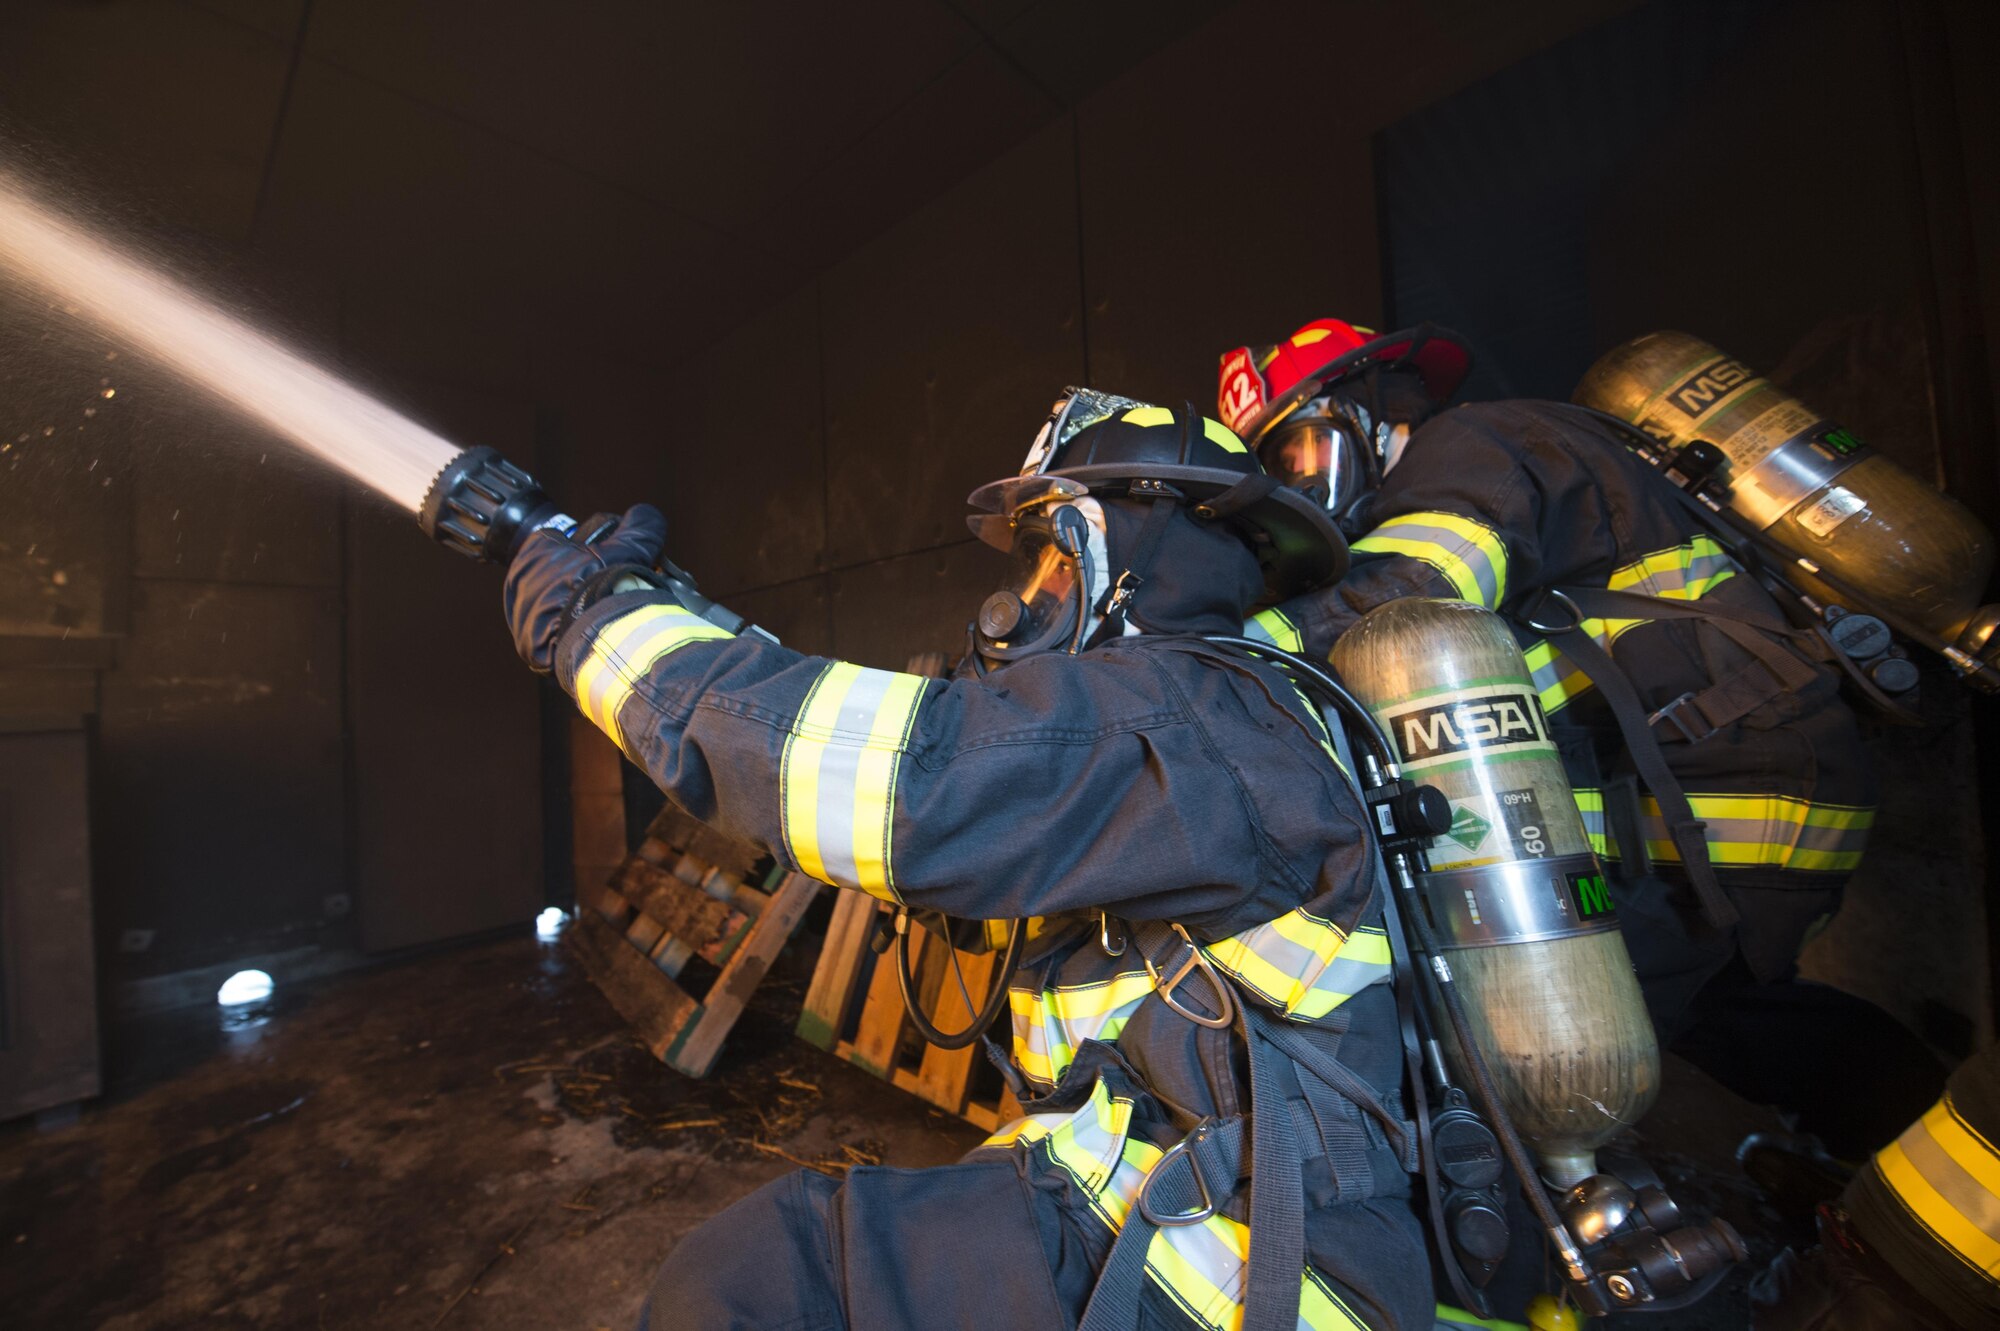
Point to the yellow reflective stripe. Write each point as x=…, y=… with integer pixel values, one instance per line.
x=1682, y=573
x=624, y=650
x=1274, y=627
x=1201, y=1267
x=1051, y=1025
x=1222, y=436
x=1557, y=681
x=1470, y=555
x=1969, y=1150
x=1321, y=733
x=1590, y=803
x=838, y=775
x=1932, y=1209
x=1749, y=831
x=1302, y=965
x=1148, y=416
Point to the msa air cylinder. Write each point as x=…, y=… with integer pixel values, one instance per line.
x=1808, y=484
x=1514, y=894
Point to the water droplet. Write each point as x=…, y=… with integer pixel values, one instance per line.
x=111, y=392
x=48, y=430
x=90, y=411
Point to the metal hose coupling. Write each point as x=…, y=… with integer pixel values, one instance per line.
x=482, y=505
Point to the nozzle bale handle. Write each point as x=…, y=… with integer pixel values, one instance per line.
x=481, y=505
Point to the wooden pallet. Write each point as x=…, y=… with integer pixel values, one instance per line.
x=855, y=1011
x=679, y=906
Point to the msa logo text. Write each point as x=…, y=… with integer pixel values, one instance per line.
x=1709, y=385
x=1480, y=722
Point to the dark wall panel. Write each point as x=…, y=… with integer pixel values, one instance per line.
x=1205, y=226
x=443, y=719
x=237, y=507
x=177, y=102
x=945, y=341
x=798, y=613
x=885, y=612
x=222, y=802
x=738, y=461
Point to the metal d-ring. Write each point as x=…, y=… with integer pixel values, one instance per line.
x=1552, y=630
x=1167, y=1219
x=1196, y=957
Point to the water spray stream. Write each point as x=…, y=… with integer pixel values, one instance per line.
x=245, y=369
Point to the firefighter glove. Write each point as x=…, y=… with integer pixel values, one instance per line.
x=558, y=572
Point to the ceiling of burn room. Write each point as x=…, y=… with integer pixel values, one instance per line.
x=634, y=173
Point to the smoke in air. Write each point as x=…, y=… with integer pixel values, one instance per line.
x=247, y=370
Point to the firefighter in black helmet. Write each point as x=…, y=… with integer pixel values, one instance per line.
x=1225, y=976
x=1666, y=671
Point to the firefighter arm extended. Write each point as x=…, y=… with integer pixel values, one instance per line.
x=1058, y=784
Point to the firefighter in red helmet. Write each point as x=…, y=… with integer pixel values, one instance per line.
x=1717, y=767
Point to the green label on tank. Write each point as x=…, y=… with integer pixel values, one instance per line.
x=1468, y=829
x=1838, y=440
x=1593, y=898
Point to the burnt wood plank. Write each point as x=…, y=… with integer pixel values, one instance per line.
x=657, y=1007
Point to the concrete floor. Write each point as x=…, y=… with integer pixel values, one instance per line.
x=471, y=1140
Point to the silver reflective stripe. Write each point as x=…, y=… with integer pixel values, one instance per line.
x=1665, y=582
x=1201, y=1267
x=630, y=659
x=1050, y=1025
x=1965, y=1193
x=1274, y=627
x=1595, y=826
x=1347, y=977
x=1453, y=543
x=839, y=765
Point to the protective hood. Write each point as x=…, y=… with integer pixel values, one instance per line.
x=1203, y=579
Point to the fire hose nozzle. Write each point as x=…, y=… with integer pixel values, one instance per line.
x=481, y=505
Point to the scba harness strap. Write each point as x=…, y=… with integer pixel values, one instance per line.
x=1780, y=663
x=1197, y=1177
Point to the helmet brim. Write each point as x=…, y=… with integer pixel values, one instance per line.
x=1439, y=356
x=1296, y=541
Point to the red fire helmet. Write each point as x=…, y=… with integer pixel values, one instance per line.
x=1260, y=386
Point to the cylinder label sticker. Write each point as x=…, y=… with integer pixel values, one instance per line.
x=1521, y=813
x=1837, y=506
x=1771, y=430
x=1497, y=719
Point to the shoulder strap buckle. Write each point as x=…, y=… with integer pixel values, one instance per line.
x=1685, y=715
x=1225, y=996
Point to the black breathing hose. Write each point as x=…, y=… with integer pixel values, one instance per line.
x=989, y=1011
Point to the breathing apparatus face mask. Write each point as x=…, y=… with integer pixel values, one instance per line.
x=1056, y=580
x=1332, y=451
